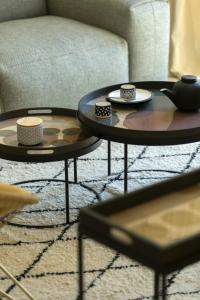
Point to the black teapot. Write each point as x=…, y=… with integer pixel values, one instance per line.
x=185, y=94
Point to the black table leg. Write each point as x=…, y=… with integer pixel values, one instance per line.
x=66, y=192
x=80, y=264
x=125, y=168
x=158, y=292
x=156, y=285
x=164, y=287
x=109, y=158
x=75, y=170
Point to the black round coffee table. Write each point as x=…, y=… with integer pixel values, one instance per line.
x=64, y=139
x=155, y=122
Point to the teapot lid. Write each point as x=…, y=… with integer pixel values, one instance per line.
x=189, y=78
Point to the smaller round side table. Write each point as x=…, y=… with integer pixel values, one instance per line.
x=63, y=139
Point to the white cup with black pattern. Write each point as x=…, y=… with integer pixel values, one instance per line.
x=103, y=109
x=128, y=92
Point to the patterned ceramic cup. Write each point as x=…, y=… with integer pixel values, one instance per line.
x=128, y=91
x=103, y=109
x=30, y=131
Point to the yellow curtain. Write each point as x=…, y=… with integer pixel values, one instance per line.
x=185, y=38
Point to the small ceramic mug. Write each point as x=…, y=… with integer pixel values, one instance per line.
x=128, y=91
x=103, y=109
x=30, y=131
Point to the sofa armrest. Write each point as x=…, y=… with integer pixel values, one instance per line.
x=143, y=23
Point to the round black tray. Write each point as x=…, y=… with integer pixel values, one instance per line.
x=157, y=122
x=63, y=136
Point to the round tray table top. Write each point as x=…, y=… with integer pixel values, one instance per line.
x=63, y=136
x=157, y=122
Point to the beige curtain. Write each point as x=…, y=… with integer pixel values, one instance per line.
x=185, y=37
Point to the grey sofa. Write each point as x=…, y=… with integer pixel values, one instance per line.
x=53, y=52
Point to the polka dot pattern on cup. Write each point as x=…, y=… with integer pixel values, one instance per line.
x=103, y=109
x=128, y=91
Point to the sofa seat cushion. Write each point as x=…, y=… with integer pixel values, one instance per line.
x=53, y=61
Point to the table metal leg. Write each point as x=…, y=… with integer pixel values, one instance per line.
x=156, y=285
x=75, y=170
x=164, y=287
x=66, y=192
x=160, y=293
x=125, y=168
x=80, y=264
x=109, y=158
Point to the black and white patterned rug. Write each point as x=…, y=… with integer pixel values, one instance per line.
x=45, y=260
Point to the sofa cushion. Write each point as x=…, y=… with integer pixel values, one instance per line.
x=54, y=61
x=18, y=9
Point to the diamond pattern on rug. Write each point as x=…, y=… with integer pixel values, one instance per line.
x=45, y=259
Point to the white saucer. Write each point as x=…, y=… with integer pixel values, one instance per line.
x=141, y=96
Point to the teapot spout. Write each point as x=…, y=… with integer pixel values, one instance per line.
x=170, y=94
